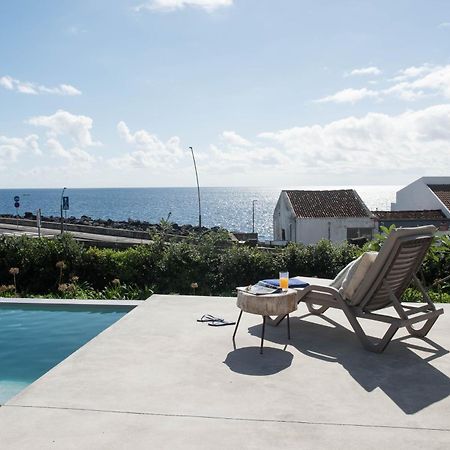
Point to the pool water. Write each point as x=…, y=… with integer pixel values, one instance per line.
x=34, y=338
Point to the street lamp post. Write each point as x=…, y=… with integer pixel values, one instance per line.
x=61, y=205
x=198, y=191
x=253, y=215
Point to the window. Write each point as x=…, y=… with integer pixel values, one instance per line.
x=358, y=233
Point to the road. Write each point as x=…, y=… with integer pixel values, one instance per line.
x=90, y=238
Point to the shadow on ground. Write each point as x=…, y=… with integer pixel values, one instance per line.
x=407, y=378
x=249, y=361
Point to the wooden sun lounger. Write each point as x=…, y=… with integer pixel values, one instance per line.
x=392, y=272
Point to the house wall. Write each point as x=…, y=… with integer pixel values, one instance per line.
x=312, y=230
x=284, y=218
x=418, y=196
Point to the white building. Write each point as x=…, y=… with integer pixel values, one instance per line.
x=426, y=193
x=308, y=216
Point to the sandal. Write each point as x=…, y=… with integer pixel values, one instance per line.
x=209, y=318
x=220, y=323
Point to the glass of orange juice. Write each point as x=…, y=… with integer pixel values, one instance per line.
x=284, y=280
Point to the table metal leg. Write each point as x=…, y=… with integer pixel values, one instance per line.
x=288, y=327
x=262, y=334
x=236, y=327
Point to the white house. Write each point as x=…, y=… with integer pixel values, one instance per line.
x=426, y=193
x=308, y=216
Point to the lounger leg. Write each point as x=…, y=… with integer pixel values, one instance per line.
x=236, y=327
x=262, y=334
x=422, y=332
x=381, y=344
x=368, y=344
x=313, y=310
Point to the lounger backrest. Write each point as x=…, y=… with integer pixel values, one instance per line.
x=398, y=260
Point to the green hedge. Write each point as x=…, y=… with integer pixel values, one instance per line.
x=172, y=268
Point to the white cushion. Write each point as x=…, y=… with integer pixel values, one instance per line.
x=350, y=277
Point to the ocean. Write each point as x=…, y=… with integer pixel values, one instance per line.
x=227, y=207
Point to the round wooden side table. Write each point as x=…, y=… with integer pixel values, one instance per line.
x=281, y=304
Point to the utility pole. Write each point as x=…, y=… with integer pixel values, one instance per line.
x=253, y=215
x=61, y=205
x=198, y=190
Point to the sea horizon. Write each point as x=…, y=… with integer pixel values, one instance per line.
x=318, y=186
x=228, y=207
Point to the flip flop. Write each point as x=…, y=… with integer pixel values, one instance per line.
x=209, y=318
x=220, y=323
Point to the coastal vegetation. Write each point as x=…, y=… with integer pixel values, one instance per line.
x=206, y=265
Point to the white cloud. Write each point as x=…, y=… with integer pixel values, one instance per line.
x=147, y=150
x=372, y=70
x=62, y=123
x=349, y=96
x=173, y=5
x=412, y=83
x=75, y=30
x=417, y=82
x=363, y=149
x=234, y=160
x=413, y=72
x=444, y=25
x=11, y=148
x=75, y=156
x=437, y=79
x=69, y=137
x=372, y=148
x=7, y=83
x=27, y=87
x=403, y=91
x=233, y=138
x=62, y=89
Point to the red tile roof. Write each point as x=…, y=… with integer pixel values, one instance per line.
x=342, y=203
x=427, y=214
x=442, y=192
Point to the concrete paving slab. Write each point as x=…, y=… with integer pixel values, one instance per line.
x=74, y=430
x=159, y=377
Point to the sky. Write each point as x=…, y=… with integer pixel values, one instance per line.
x=102, y=93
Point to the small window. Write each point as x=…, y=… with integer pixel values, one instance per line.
x=283, y=234
x=358, y=233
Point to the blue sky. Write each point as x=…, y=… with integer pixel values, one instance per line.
x=269, y=93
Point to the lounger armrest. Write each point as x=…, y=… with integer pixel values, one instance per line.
x=323, y=289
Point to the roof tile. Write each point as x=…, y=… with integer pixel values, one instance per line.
x=426, y=214
x=442, y=191
x=340, y=203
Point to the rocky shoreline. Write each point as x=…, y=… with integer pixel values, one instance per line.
x=130, y=224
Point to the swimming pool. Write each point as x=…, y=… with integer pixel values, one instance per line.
x=34, y=338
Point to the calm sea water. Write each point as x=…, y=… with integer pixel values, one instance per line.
x=230, y=208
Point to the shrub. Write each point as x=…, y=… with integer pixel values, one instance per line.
x=436, y=266
x=63, y=267
x=241, y=266
x=323, y=260
x=36, y=259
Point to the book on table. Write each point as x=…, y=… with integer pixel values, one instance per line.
x=261, y=288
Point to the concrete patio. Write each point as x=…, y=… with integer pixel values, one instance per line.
x=159, y=379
